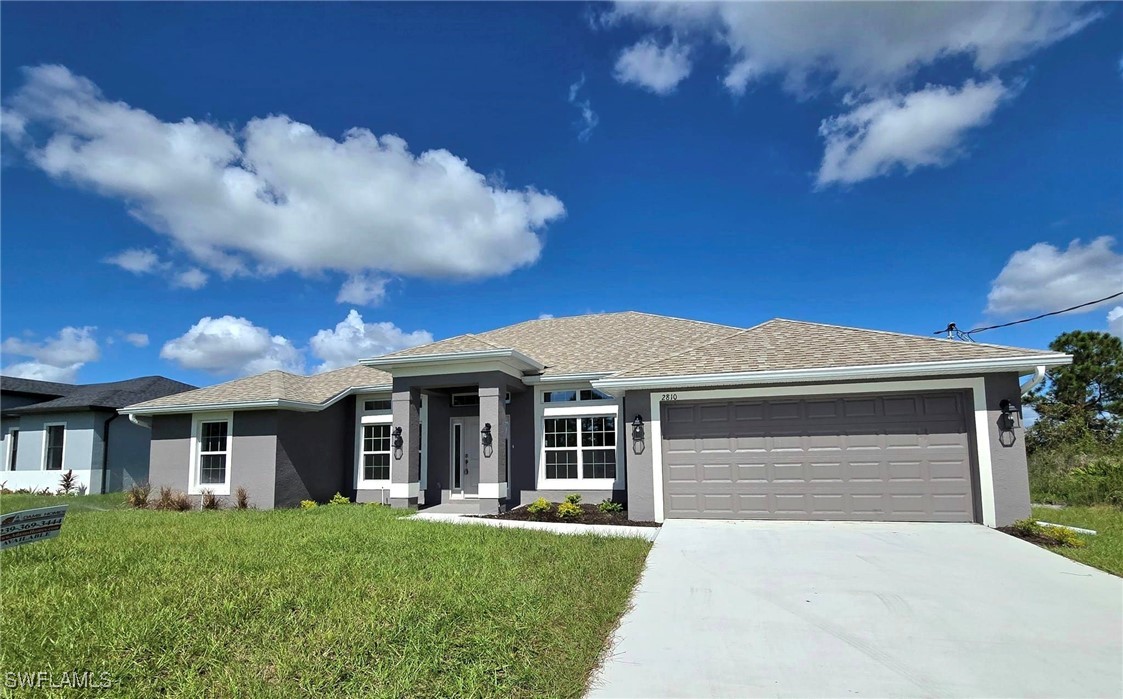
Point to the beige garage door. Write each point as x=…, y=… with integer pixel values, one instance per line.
x=894, y=457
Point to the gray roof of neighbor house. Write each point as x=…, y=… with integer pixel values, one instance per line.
x=632, y=344
x=106, y=396
x=271, y=389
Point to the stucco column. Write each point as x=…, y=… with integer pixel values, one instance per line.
x=405, y=464
x=493, y=458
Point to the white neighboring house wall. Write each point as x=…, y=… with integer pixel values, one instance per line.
x=82, y=445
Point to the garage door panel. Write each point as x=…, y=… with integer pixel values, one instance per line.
x=892, y=458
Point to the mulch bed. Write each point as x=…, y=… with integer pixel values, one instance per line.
x=1039, y=540
x=589, y=515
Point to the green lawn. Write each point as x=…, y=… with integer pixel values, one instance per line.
x=338, y=601
x=1105, y=550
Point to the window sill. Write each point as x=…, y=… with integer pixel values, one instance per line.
x=579, y=484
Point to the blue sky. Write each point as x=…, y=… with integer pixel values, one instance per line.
x=724, y=163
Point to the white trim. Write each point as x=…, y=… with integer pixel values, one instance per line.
x=193, y=485
x=62, y=458
x=9, y=462
x=493, y=490
x=977, y=386
x=509, y=361
x=567, y=410
x=405, y=490
x=565, y=378
x=595, y=408
x=870, y=371
x=274, y=403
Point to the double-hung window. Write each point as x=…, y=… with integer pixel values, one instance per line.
x=376, y=452
x=54, y=444
x=213, y=441
x=578, y=441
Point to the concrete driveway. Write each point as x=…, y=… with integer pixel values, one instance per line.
x=821, y=609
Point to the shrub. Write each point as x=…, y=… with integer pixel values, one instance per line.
x=1077, y=476
x=609, y=507
x=540, y=507
x=1064, y=537
x=308, y=504
x=68, y=483
x=242, y=498
x=172, y=500
x=1050, y=536
x=569, y=510
x=338, y=499
x=573, y=499
x=137, y=495
x=210, y=501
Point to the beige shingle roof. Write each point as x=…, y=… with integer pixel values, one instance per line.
x=600, y=343
x=274, y=385
x=779, y=345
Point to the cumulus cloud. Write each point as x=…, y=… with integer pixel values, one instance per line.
x=1046, y=278
x=653, y=67
x=589, y=118
x=136, y=339
x=136, y=260
x=230, y=345
x=352, y=340
x=274, y=194
x=363, y=290
x=55, y=358
x=923, y=128
x=1115, y=321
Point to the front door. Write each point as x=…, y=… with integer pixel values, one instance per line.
x=465, y=476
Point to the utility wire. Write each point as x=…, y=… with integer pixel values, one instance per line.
x=966, y=334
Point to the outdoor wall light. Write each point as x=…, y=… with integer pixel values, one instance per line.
x=637, y=428
x=1007, y=421
x=398, y=442
x=1008, y=410
x=485, y=439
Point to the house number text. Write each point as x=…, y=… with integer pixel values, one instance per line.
x=670, y=396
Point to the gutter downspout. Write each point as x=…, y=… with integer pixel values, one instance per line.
x=141, y=423
x=105, y=449
x=1031, y=383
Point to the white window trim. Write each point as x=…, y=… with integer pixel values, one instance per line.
x=977, y=386
x=197, y=420
x=379, y=417
x=591, y=408
x=9, y=463
x=62, y=459
x=372, y=483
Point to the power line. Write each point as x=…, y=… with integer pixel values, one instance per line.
x=966, y=334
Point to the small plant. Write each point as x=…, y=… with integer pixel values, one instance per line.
x=164, y=499
x=569, y=510
x=242, y=498
x=181, y=502
x=1064, y=537
x=573, y=499
x=210, y=501
x=609, y=507
x=137, y=495
x=1049, y=536
x=308, y=504
x=338, y=499
x=68, y=483
x=82, y=488
x=540, y=507
x=172, y=500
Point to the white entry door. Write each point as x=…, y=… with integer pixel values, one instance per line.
x=465, y=460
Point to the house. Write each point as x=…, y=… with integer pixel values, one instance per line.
x=50, y=428
x=677, y=418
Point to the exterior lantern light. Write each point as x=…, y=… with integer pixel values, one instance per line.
x=637, y=428
x=1007, y=422
x=485, y=435
x=398, y=442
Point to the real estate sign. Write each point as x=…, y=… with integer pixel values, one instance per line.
x=26, y=526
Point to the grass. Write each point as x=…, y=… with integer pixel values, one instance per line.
x=1103, y=551
x=338, y=601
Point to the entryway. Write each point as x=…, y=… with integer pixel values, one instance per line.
x=464, y=465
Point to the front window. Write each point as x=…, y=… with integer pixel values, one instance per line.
x=376, y=452
x=580, y=447
x=13, y=449
x=56, y=439
x=214, y=440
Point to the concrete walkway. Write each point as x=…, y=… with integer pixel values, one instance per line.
x=803, y=609
x=648, y=533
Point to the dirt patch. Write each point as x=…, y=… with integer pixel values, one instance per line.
x=589, y=515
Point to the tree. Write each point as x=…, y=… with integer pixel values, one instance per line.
x=1085, y=399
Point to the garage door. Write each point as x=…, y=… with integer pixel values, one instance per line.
x=895, y=457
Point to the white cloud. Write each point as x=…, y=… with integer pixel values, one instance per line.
x=276, y=195
x=924, y=128
x=191, y=278
x=653, y=67
x=589, y=118
x=1115, y=321
x=363, y=290
x=1045, y=278
x=137, y=339
x=230, y=345
x=860, y=46
x=352, y=340
x=545, y=316
x=136, y=260
x=56, y=358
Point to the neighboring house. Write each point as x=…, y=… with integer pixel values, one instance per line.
x=50, y=428
x=677, y=418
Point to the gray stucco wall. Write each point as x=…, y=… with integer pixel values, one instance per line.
x=78, y=445
x=641, y=488
x=128, y=454
x=315, y=454
x=1007, y=452
x=170, y=453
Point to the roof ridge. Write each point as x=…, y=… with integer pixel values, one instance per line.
x=482, y=339
x=689, y=320
x=689, y=349
x=911, y=336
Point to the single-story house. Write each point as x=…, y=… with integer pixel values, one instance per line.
x=49, y=428
x=674, y=417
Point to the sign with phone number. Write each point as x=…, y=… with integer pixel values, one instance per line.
x=27, y=526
